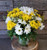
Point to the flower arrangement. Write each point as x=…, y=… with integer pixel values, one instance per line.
x=23, y=22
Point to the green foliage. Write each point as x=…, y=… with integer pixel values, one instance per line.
x=24, y=36
x=31, y=35
x=28, y=36
x=34, y=35
x=10, y=33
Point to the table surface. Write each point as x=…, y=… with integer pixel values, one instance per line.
x=32, y=45
x=5, y=44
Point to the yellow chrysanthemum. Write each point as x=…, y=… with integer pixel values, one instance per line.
x=10, y=25
x=32, y=14
x=17, y=14
x=13, y=15
x=39, y=15
x=16, y=9
x=9, y=13
x=34, y=24
x=35, y=10
x=21, y=13
x=26, y=17
x=38, y=23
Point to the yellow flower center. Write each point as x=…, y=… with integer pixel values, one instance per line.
x=26, y=28
x=19, y=30
x=26, y=11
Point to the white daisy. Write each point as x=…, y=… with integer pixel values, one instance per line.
x=17, y=26
x=42, y=26
x=7, y=19
x=21, y=21
x=26, y=10
x=19, y=31
x=27, y=29
x=38, y=18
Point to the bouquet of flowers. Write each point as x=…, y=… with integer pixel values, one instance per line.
x=23, y=22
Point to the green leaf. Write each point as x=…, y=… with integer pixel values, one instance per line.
x=11, y=38
x=14, y=33
x=10, y=32
x=34, y=35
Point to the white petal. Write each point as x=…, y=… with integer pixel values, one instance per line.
x=7, y=19
x=19, y=20
x=19, y=32
x=38, y=18
x=27, y=29
x=25, y=9
x=17, y=26
x=22, y=22
x=42, y=26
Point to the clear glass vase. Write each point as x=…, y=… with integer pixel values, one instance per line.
x=23, y=42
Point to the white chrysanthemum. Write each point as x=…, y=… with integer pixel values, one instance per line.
x=21, y=21
x=17, y=26
x=42, y=26
x=27, y=29
x=19, y=31
x=7, y=19
x=26, y=10
x=38, y=18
